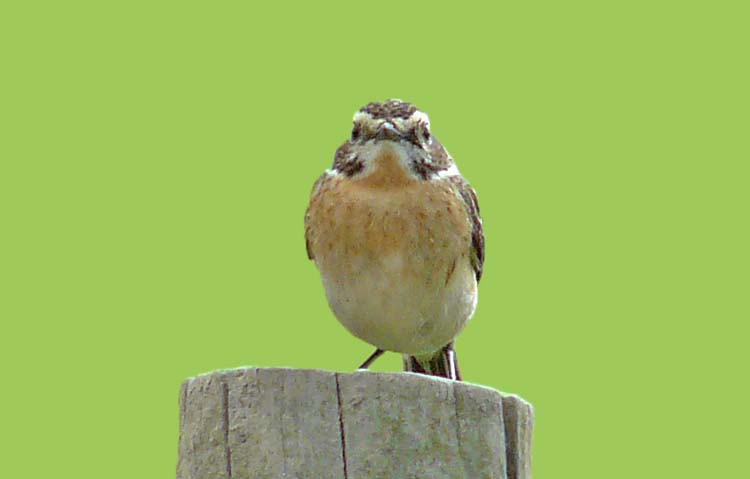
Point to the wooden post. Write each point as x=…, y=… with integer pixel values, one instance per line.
x=290, y=423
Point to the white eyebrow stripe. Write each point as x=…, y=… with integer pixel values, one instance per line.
x=451, y=171
x=419, y=116
x=359, y=115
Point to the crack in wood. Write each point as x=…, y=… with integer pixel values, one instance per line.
x=227, y=448
x=341, y=426
x=457, y=419
x=510, y=420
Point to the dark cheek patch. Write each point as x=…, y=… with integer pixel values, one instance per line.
x=435, y=161
x=345, y=162
x=351, y=168
x=422, y=169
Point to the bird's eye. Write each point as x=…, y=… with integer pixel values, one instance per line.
x=426, y=133
x=356, y=132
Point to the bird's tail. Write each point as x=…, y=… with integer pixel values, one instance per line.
x=443, y=363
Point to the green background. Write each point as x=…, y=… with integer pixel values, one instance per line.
x=155, y=165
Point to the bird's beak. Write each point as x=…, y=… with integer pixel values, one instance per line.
x=388, y=131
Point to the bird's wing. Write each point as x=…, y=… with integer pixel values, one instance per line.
x=469, y=197
x=317, y=186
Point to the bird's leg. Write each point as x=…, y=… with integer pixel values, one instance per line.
x=452, y=360
x=443, y=363
x=378, y=352
x=412, y=364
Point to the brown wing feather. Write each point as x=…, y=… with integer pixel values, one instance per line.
x=315, y=191
x=469, y=197
x=307, y=246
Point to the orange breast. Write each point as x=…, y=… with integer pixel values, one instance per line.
x=350, y=223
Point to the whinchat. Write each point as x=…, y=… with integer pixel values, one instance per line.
x=395, y=231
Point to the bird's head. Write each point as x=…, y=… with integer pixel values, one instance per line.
x=393, y=120
x=392, y=141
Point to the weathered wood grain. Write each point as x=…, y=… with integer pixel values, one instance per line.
x=289, y=423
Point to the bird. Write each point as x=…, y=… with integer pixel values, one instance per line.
x=396, y=234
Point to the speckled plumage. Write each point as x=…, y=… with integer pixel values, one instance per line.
x=396, y=234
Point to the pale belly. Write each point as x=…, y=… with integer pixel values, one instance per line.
x=395, y=263
x=413, y=312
